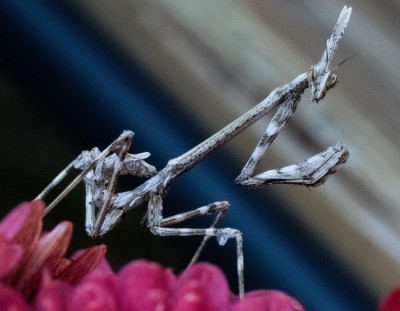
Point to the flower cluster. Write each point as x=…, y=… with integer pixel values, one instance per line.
x=391, y=302
x=34, y=275
x=29, y=256
x=143, y=285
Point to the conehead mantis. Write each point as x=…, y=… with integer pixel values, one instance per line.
x=100, y=170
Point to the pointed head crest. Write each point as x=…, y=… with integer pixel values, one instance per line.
x=322, y=76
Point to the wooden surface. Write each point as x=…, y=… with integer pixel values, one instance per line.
x=223, y=57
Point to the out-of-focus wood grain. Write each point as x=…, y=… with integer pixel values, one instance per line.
x=223, y=57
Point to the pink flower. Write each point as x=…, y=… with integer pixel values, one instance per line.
x=34, y=275
x=11, y=299
x=202, y=287
x=143, y=285
x=27, y=253
x=268, y=300
x=391, y=302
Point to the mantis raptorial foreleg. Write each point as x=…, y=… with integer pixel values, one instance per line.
x=277, y=123
x=101, y=181
x=100, y=171
x=311, y=172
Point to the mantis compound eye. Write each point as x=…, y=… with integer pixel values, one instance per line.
x=312, y=76
x=333, y=81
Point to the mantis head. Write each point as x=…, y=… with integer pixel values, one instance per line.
x=320, y=83
x=322, y=76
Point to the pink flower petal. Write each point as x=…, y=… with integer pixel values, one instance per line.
x=84, y=264
x=144, y=286
x=103, y=276
x=93, y=295
x=96, y=292
x=267, y=300
x=49, y=250
x=10, y=255
x=53, y=245
x=52, y=295
x=102, y=267
x=11, y=300
x=27, y=219
x=391, y=302
x=202, y=287
x=24, y=223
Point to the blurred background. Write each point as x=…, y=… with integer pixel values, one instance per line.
x=75, y=74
